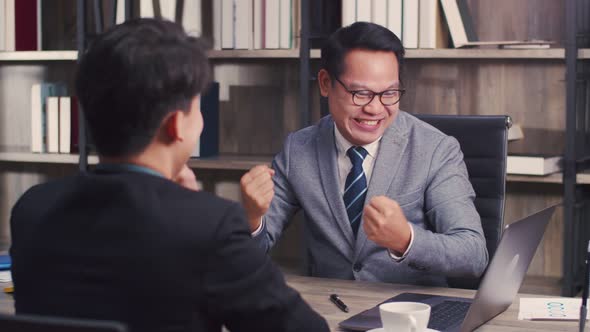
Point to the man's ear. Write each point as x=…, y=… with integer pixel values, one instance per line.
x=172, y=126
x=325, y=82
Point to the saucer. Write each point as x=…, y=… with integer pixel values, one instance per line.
x=380, y=329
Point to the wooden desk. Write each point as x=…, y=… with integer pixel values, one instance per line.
x=363, y=295
x=360, y=296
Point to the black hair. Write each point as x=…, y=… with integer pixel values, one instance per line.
x=132, y=76
x=359, y=35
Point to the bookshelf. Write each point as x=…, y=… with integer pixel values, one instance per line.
x=39, y=56
x=263, y=97
x=44, y=158
x=553, y=53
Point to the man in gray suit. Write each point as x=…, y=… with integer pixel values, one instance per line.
x=386, y=197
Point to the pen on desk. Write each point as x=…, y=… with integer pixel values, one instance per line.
x=583, y=307
x=336, y=300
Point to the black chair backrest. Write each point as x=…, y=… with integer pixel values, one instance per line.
x=34, y=323
x=484, y=142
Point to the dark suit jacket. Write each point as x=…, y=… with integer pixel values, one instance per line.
x=140, y=249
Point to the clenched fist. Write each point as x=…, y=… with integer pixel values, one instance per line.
x=186, y=178
x=385, y=224
x=257, y=192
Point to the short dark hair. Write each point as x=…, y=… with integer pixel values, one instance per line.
x=132, y=76
x=359, y=35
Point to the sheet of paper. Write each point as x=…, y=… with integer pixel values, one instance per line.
x=5, y=276
x=549, y=308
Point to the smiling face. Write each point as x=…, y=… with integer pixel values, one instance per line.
x=363, y=70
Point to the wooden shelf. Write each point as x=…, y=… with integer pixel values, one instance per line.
x=49, y=158
x=581, y=178
x=39, y=56
x=476, y=53
x=229, y=162
x=444, y=53
x=254, y=54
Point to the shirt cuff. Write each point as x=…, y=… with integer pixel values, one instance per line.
x=399, y=258
x=261, y=227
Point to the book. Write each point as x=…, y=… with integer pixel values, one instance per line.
x=52, y=121
x=26, y=25
x=410, y=23
x=533, y=164
x=515, y=132
x=379, y=12
x=217, y=22
x=285, y=24
x=271, y=24
x=39, y=95
x=243, y=28
x=65, y=124
x=258, y=24
x=146, y=8
x=529, y=45
x=5, y=262
x=3, y=26
x=394, y=17
x=549, y=308
x=227, y=24
x=208, y=144
x=9, y=25
x=120, y=12
x=432, y=32
x=348, y=12
x=462, y=30
x=167, y=9
x=74, y=120
x=192, y=17
x=363, y=10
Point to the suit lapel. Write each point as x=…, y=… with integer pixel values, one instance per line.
x=385, y=168
x=328, y=166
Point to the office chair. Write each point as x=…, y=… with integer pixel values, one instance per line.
x=484, y=141
x=33, y=323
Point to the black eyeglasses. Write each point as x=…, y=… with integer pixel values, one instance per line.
x=365, y=97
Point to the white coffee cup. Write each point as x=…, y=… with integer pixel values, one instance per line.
x=404, y=316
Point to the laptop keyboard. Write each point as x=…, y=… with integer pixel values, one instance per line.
x=446, y=314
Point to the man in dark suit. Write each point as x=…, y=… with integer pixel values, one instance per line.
x=126, y=242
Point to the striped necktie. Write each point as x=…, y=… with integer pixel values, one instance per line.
x=355, y=188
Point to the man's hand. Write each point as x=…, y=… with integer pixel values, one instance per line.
x=186, y=178
x=385, y=224
x=257, y=192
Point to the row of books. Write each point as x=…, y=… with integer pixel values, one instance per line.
x=54, y=119
x=418, y=23
x=255, y=24
x=421, y=23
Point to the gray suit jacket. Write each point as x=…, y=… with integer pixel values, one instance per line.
x=417, y=166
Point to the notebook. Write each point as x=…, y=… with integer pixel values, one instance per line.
x=496, y=292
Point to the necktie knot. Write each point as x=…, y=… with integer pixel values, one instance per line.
x=357, y=155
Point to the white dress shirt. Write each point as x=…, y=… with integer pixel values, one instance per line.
x=345, y=165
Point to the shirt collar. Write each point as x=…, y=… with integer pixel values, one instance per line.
x=342, y=145
x=118, y=168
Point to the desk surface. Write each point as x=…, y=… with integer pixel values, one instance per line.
x=360, y=296
x=363, y=295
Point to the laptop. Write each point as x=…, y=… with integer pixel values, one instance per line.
x=496, y=292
